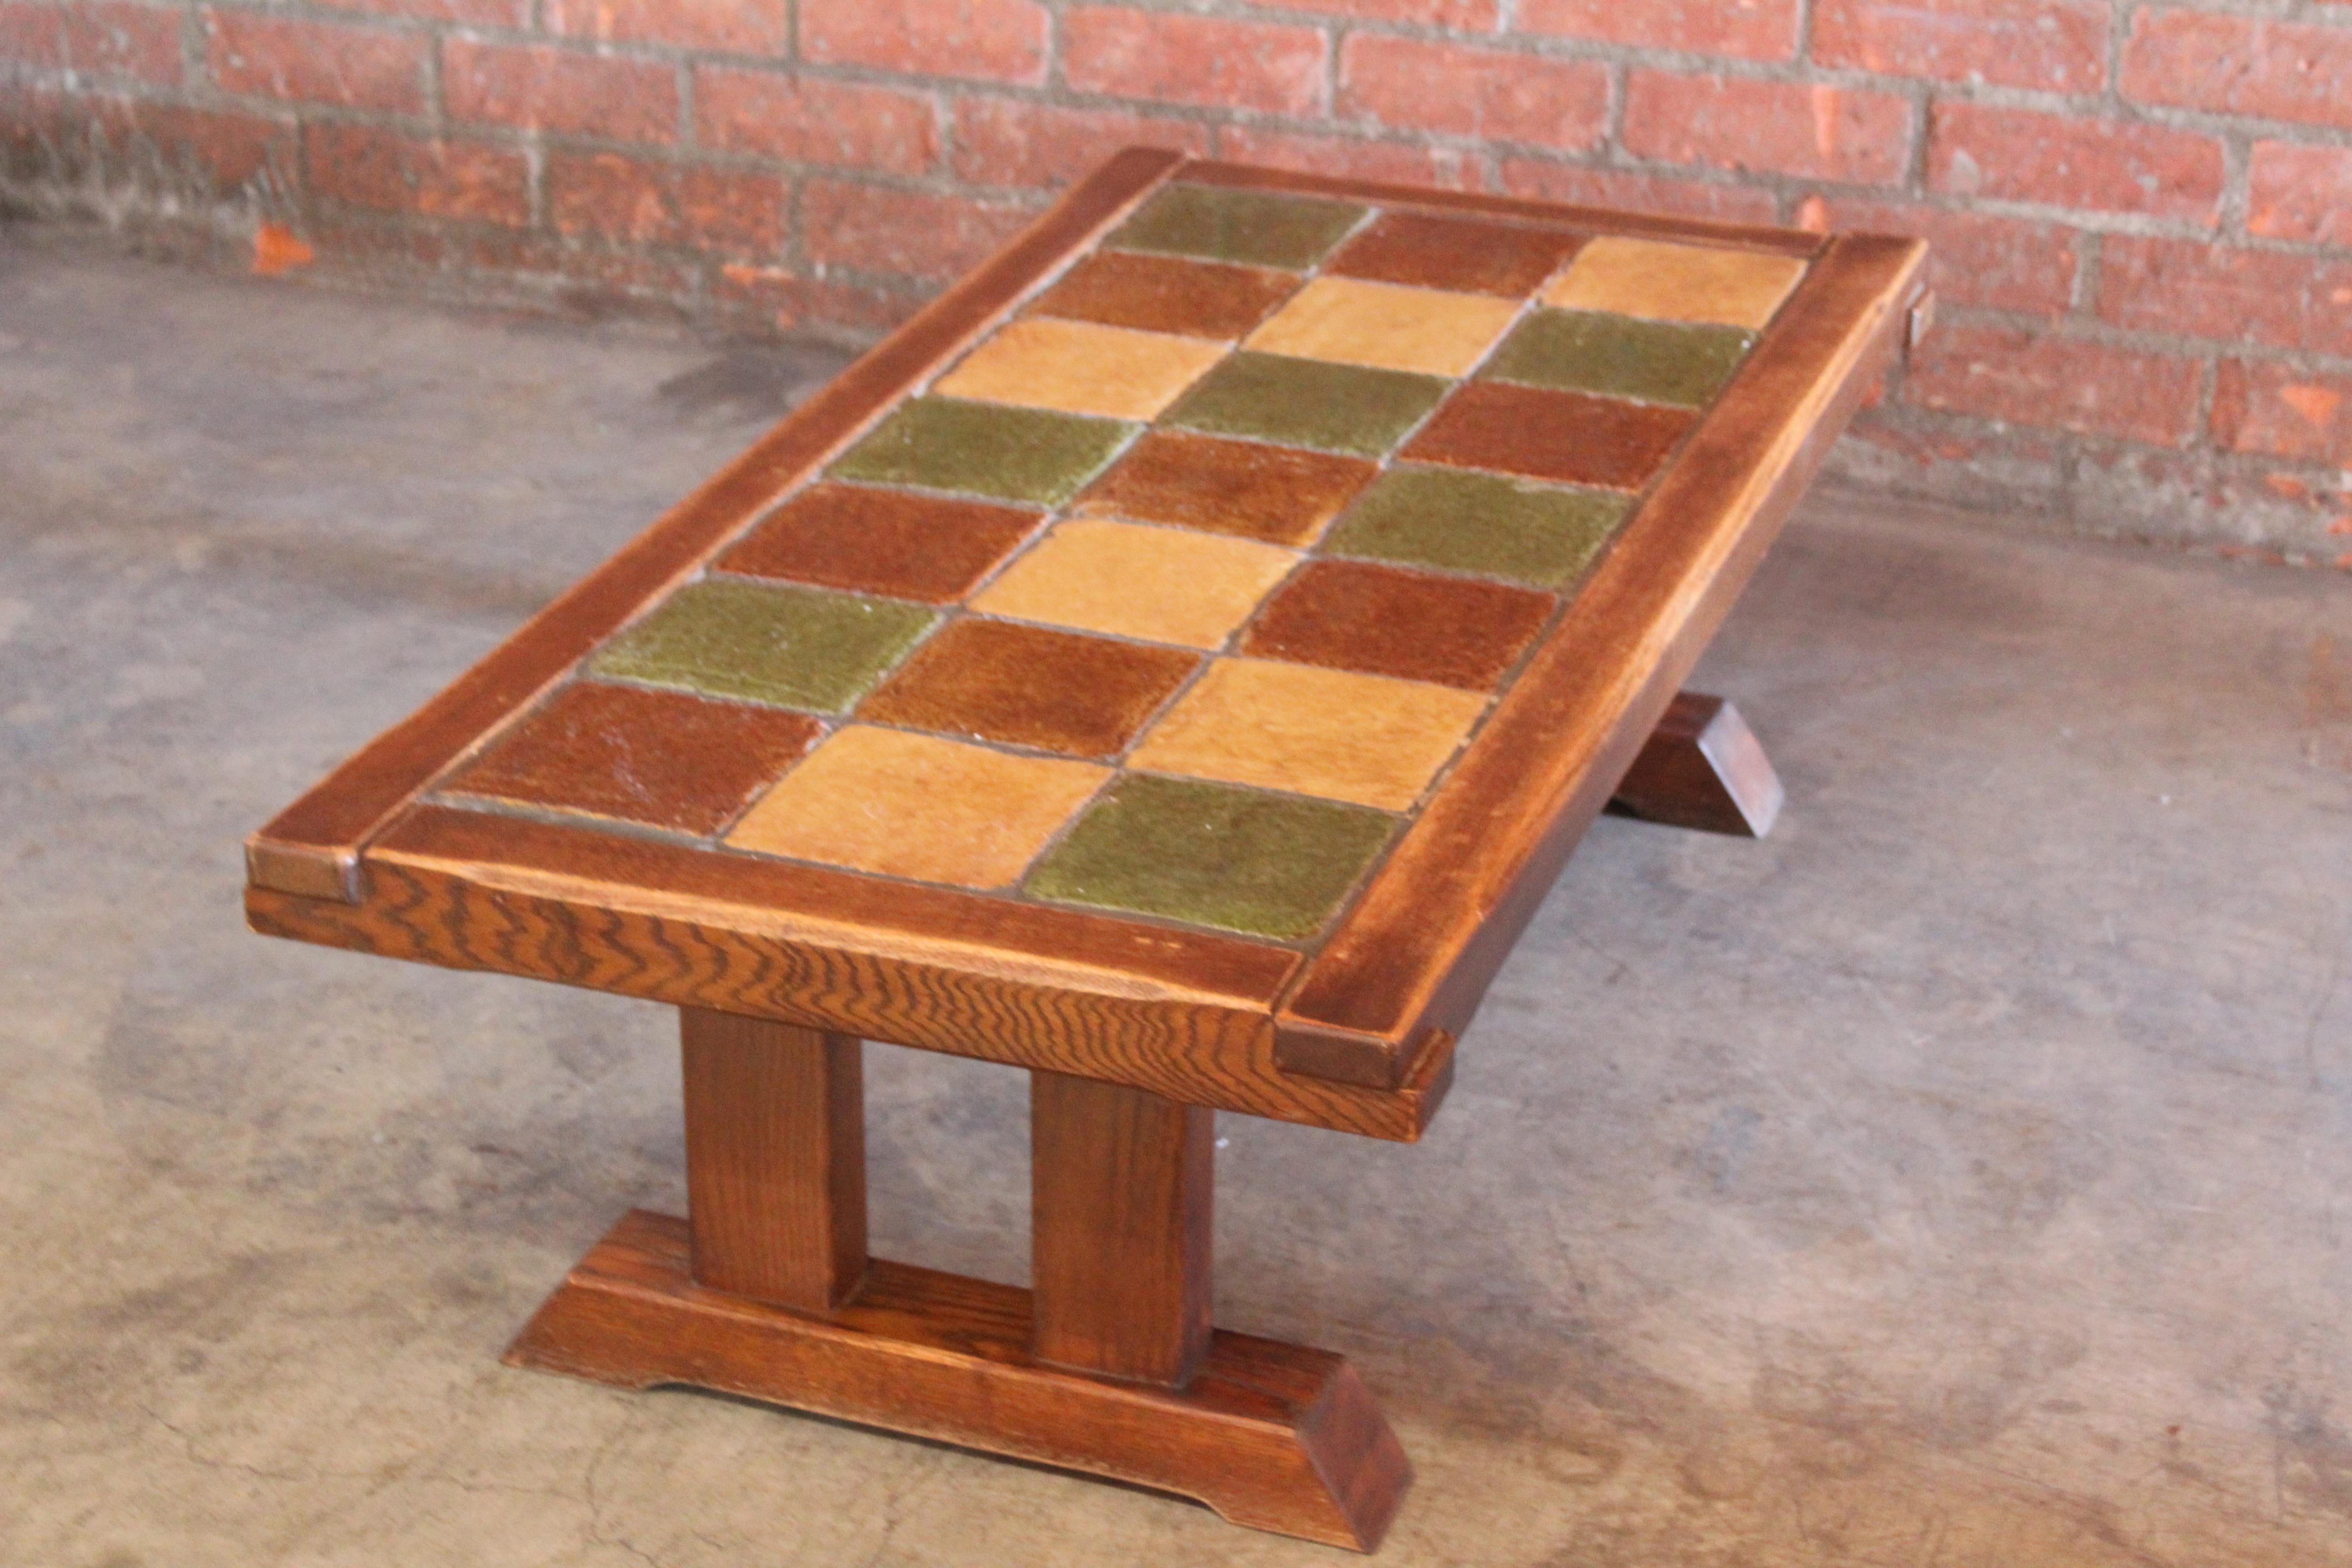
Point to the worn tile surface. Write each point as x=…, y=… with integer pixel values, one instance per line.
x=1027, y=686
x=1167, y=294
x=1621, y=356
x=908, y=546
x=1458, y=520
x=1242, y=860
x=1254, y=227
x=797, y=648
x=917, y=806
x=1546, y=434
x=1343, y=736
x=1356, y=615
x=1307, y=403
x=1280, y=494
x=1674, y=282
x=1081, y=367
x=1387, y=326
x=660, y=758
x=1162, y=585
x=1458, y=253
x=984, y=448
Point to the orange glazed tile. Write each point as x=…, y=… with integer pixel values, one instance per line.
x=881, y=541
x=1167, y=294
x=1161, y=584
x=1329, y=732
x=660, y=758
x=1385, y=326
x=1546, y=434
x=1461, y=254
x=1351, y=614
x=1078, y=367
x=1670, y=282
x=1280, y=494
x=1027, y=686
x=916, y=805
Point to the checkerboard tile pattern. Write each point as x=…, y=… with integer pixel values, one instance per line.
x=1177, y=593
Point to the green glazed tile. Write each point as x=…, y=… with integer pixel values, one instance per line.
x=1308, y=403
x=1239, y=859
x=1461, y=522
x=1617, y=356
x=984, y=448
x=795, y=647
x=1252, y=226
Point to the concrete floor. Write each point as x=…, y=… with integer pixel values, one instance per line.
x=1957, y=1177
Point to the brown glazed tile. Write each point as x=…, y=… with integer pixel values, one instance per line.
x=1279, y=494
x=881, y=541
x=1351, y=614
x=1670, y=282
x=1385, y=326
x=1546, y=434
x=660, y=758
x=1158, y=585
x=1081, y=367
x=1461, y=254
x=1326, y=733
x=920, y=806
x=1027, y=686
x=1167, y=294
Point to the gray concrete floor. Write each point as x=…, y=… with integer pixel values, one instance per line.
x=1957, y=1177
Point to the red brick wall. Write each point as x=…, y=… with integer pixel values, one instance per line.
x=2142, y=212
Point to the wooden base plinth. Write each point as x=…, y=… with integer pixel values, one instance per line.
x=1703, y=768
x=1276, y=1436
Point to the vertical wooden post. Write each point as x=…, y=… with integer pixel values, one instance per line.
x=775, y=1159
x=1120, y=1191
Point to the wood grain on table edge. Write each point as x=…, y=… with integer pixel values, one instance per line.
x=1413, y=956
x=312, y=849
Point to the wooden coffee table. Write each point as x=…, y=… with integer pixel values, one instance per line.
x=1176, y=663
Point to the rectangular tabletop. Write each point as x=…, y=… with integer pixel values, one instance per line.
x=1182, y=655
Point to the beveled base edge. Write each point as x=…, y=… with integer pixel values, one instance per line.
x=1276, y=1436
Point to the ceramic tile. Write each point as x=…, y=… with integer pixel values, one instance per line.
x=656, y=757
x=1546, y=434
x=1365, y=739
x=1026, y=686
x=1621, y=356
x=1308, y=403
x=1461, y=254
x=918, y=807
x=881, y=541
x=1161, y=584
x=795, y=647
x=1386, y=326
x=984, y=448
x=1258, y=229
x=1353, y=615
x=1279, y=494
x=1671, y=282
x=1167, y=294
x=1458, y=520
x=1267, y=865
x=1081, y=367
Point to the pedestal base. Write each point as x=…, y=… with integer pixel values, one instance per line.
x=1276, y=1436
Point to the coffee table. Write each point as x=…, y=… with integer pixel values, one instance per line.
x=1176, y=663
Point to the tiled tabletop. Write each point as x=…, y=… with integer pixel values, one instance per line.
x=1177, y=593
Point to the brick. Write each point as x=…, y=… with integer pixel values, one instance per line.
x=997, y=40
x=1975, y=259
x=2055, y=382
x=544, y=88
x=589, y=277
x=393, y=172
x=1006, y=142
x=315, y=62
x=1352, y=157
x=229, y=146
x=1743, y=29
x=1486, y=93
x=1173, y=58
x=134, y=41
x=2222, y=293
x=737, y=26
x=1463, y=16
x=2241, y=64
x=916, y=236
x=808, y=120
x=639, y=203
x=472, y=13
x=784, y=301
x=1637, y=191
x=2099, y=165
x=2284, y=412
x=2294, y=192
x=1786, y=128
x=2058, y=46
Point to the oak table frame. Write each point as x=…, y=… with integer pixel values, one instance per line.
x=1135, y=1033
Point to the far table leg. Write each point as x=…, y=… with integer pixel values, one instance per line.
x=1702, y=767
